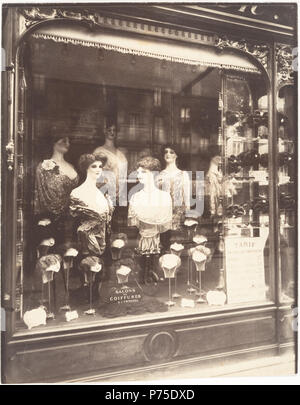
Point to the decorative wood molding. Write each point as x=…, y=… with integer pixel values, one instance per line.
x=93, y=19
x=260, y=52
x=285, y=66
x=273, y=13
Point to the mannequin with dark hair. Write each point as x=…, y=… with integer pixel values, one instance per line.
x=93, y=209
x=116, y=162
x=177, y=183
x=54, y=181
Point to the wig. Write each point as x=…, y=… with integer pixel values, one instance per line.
x=52, y=136
x=149, y=163
x=231, y=118
x=175, y=148
x=88, y=158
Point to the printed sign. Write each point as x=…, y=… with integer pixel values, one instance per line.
x=123, y=295
x=245, y=273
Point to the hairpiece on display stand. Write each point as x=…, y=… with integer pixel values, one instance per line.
x=199, y=259
x=264, y=160
x=249, y=158
x=169, y=263
x=122, y=274
x=91, y=265
x=197, y=253
x=260, y=204
x=48, y=265
x=200, y=240
x=44, y=222
x=45, y=246
x=234, y=164
x=176, y=249
x=68, y=254
x=117, y=245
x=285, y=158
x=286, y=201
x=191, y=225
x=190, y=287
x=235, y=211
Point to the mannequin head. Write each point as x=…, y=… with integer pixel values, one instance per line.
x=110, y=132
x=61, y=145
x=57, y=140
x=169, y=154
x=92, y=165
x=146, y=168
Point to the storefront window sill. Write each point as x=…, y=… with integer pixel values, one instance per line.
x=132, y=321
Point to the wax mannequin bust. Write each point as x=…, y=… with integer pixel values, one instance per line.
x=93, y=208
x=213, y=185
x=177, y=183
x=150, y=209
x=116, y=160
x=54, y=181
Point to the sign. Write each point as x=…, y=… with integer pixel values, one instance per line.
x=123, y=295
x=245, y=272
x=259, y=175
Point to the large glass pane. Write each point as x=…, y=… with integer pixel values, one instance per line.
x=287, y=190
x=149, y=187
x=246, y=189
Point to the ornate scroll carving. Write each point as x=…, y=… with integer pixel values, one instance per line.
x=34, y=15
x=284, y=61
x=93, y=19
x=258, y=51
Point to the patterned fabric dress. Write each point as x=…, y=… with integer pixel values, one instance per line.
x=214, y=190
x=51, y=200
x=178, y=185
x=94, y=225
x=52, y=190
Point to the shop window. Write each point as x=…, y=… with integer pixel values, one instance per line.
x=160, y=155
x=287, y=191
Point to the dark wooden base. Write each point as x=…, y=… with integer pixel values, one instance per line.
x=104, y=351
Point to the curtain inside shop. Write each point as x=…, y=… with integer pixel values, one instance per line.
x=158, y=49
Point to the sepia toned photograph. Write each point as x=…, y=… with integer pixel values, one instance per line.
x=148, y=192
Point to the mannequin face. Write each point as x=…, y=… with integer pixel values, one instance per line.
x=216, y=160
x=111, y=133
x=95, y=169
x=144, y=176
x=62, y=145
x=170, y=155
